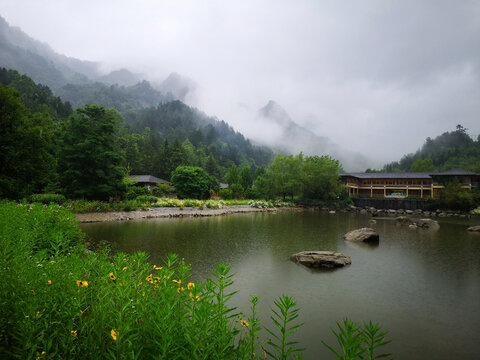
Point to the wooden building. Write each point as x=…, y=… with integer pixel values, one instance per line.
x=147, y=181
x=418, y=185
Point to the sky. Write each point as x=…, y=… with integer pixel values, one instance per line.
x=377, y=77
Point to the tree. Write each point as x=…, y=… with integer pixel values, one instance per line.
x=321, y=178
x=232, y=175
x=191, y=182
x=246, y=177
x=89, y=159
x=422, y=165
x=26, y=160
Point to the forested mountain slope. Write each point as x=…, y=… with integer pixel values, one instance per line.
x=452, y=149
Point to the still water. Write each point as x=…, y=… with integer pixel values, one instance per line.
x=423, y=286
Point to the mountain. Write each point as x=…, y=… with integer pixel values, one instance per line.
x=177, y=86
x=122, y=77
x=452, y=149
x=39, y=61
x=290, y=137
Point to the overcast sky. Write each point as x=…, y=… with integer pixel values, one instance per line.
x=375, y=76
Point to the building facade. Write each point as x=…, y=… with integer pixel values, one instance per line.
x=418, y=185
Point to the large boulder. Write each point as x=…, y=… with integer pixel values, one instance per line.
x=321, y=259
x=427, y=224
x=474, y=228
x=367, y=235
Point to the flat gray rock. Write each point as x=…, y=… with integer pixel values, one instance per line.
x=474, y=228
x=321, y=259
x=427, y=224
x=367, y=235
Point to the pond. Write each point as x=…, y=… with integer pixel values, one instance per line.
x=423, y=286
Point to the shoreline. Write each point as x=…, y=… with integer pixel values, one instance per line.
x=168, y=212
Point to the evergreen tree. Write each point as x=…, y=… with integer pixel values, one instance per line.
x=89, y=161
x=26, y=160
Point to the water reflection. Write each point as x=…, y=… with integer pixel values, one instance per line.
x=423, y=286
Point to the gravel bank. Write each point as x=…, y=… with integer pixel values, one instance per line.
x=152, y=213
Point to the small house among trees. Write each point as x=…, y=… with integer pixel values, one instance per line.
x=148, y=181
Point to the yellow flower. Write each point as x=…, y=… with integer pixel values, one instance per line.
x=180, y=289
x=196, y=297
x=265, y=354
x=73, y=332
x=38, y=313
x=244, y=323
x=143, y=294
x=149, y=278
x=81, y=283
x=155, y=267
x=190, y=285
x=113, y=334
x=177, y=281
x=49, y=282
x=125, y=268
x=112, y=276
x=139, y=285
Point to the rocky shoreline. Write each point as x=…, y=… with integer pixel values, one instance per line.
x=168, y=212
x=392, y=212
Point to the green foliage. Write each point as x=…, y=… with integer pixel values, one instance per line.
x=48, y=198
x=89, y=159
x=163, y=190
x=311, y=177
x=283, y=315
x=232, y=176
x=454, y=149
x=422, y=165
x=454, y=197
x=135, y=191
x=358, y=343
x=237, y=190
x=26, y=160
x=246, y=179
x=226, y=193
x=191, y=182
x=147, y=199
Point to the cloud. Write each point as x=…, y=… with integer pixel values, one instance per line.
x=375, y=76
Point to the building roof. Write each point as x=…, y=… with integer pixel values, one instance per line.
x=148, y=179
x=410, y=175
x=392, y=175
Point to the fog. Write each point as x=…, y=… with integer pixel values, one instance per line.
x=375, y=77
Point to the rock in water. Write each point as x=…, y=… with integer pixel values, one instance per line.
x=427, y=224
x=321, y=259
x=474, y=228
x=367, y=235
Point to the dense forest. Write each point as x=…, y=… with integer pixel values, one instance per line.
x=40, y=129
x=453, y=149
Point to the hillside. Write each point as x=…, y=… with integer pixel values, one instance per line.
x=452, y=149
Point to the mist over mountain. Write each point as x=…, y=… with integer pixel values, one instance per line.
x=286, y=136
x=81, y=82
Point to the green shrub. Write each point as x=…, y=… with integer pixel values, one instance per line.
x=163, y=190
x=147, y=199
x=134, y=191
x=226, y=194
x=48, y=198
x=237, y=190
